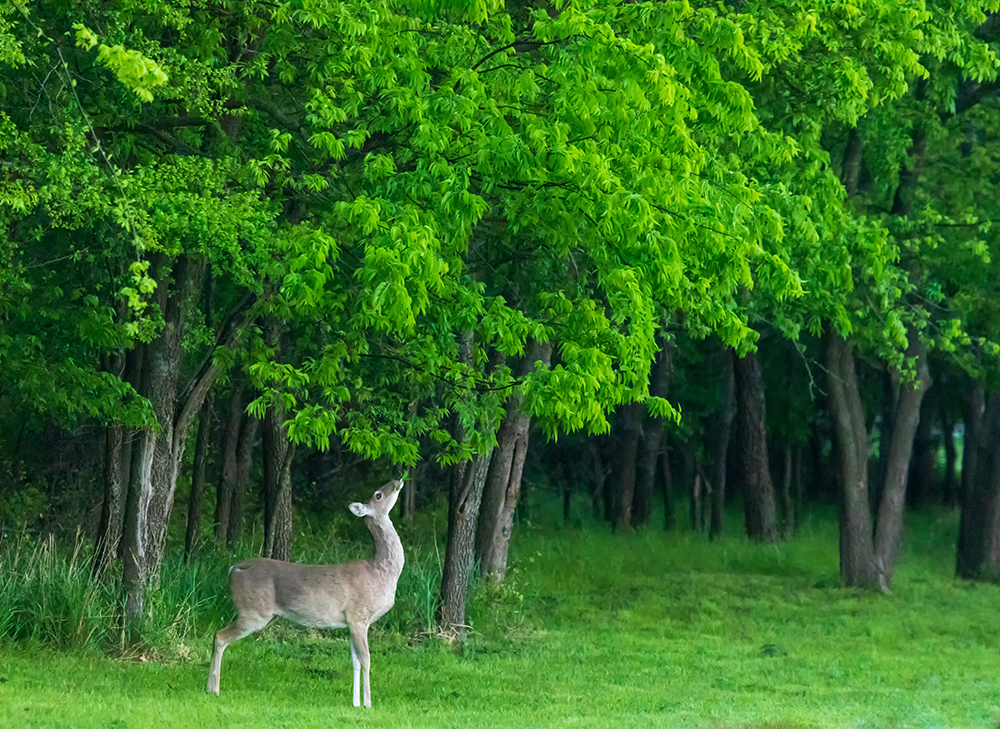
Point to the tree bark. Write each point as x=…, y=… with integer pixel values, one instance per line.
x=503, y=484
x=923, y=471
x=596, y=476
x=857, y=550
x=652, y=437
x=669, y=510
x=191, y=536
x=905, y=423
x=468, y=480
x=112, y=510
x=758, y=496
x=787, y=503
x=241, y=480
x=719, y=429
x=278, y=454
x=975, y=408
x=225, y=485
x=467, y=486
x=629, y=432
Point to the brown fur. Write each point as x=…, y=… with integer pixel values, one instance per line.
x=352, y=595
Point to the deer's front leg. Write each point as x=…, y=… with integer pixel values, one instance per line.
x=356, y=661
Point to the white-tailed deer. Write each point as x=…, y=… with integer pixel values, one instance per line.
x=352, y=595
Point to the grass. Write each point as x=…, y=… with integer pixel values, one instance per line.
x=650, y=630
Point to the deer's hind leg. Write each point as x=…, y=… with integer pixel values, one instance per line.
x=244, y=626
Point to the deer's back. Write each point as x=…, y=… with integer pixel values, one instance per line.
x=320, y=596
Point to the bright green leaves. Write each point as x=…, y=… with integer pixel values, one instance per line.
x=135, y=71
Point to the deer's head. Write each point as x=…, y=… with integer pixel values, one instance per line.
x=381, y=502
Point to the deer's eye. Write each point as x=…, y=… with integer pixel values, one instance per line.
x=378, y=495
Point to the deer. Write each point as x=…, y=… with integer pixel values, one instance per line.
x=350, y=595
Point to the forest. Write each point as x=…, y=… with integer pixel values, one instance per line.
x=678, y=319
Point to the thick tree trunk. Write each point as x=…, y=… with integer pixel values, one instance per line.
x=629, y=432
x=278, y=454
x=652, y=437
x=719, y=428
x=241, y=480
x=235, y=421
x=979, y=534
x=197, y=497
x=857, y=549
x=758, y=492
x=503, y=484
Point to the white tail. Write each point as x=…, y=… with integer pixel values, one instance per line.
x=352, y=595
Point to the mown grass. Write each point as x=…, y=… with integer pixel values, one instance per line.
x=650, y=630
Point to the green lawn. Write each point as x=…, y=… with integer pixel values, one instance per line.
x=652, y=630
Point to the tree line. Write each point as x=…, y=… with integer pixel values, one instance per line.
x=326, y=239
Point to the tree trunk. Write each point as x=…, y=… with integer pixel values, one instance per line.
x=979, y=533
x=857, y=550
x=226, y=483
x=241, y=480
x=758, y=495
x=503, y=484
x=719, y=430
x=467, y=486
x=669, y=511
x=975, y=407
x=278, y=453
x=923, y=472
x=112, y=510
x=597, y=476
x=787, y=504
x=191, y=536
x=905, y=423
x=659, y=386
x=630, y=430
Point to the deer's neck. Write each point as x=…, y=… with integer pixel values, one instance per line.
x=388, y=548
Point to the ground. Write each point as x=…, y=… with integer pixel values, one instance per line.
x=648, y=630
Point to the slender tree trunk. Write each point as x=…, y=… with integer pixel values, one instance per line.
x=787, y=503
x=227, y=471
x=669, y=510
x=905, y=423
x=719, y=430
x=278, y=454
x=758, y=496
x=659, y=386
x=857, y=549
x=503, y=486
x=410, y=493
x=463, y=511
x=630, y=430
x=596, y=474
x=191, y=536
x=241, y=480
x=468, y=480
x=112, y=510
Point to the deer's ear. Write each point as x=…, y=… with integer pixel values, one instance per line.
x=360, y=509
